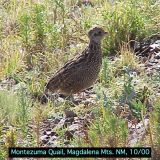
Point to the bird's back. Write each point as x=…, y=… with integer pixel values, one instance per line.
x=79, y=73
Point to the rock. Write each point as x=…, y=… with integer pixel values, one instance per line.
x=157, y=56
x=69, y=120
x=57, y=120
x=60, y=124
x=53, y=134
x=44, y=139
x=69, y=113
x=73, y=127
x=69, y=134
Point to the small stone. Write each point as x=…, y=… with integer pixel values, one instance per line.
x=53, y=133
x=44, y=138
x=48, y=132
x=69, y=113
x=70, y=120
x=44, y=141
x=60, y=124
x=73, y=127
x=69, y=135
x=56, y=121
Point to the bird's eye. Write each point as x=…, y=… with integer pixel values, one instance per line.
x=97, y=33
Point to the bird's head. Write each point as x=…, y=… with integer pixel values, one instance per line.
x=96, y=34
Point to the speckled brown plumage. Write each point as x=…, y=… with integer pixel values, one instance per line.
x=82, y=71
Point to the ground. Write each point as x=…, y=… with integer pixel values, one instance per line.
x=121, y=109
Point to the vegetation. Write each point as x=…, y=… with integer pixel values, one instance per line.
x=38, y=37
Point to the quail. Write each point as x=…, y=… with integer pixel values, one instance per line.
x=82, y=71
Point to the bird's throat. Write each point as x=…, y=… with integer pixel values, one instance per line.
x=94, y=46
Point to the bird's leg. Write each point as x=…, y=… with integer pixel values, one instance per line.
x=81, y=95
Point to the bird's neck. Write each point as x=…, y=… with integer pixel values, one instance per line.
x=94, y=45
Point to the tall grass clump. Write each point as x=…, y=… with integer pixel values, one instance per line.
x=106, y=73
x=43, y=34
x=24, y=109
x=14, y=108
x=107, y=130
x=25, y=29
x=7, y=111
x=12, y=64
x=126, y=60
x=154, y=129
x=126, y=22
x=33, y=32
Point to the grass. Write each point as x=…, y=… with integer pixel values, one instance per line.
x=106, y=131
x=37, y=38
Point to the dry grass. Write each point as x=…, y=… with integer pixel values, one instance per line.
x=38, y=37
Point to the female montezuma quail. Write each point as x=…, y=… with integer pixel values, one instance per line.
x=82, y=71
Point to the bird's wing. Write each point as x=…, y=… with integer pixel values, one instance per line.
x=67, y=71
